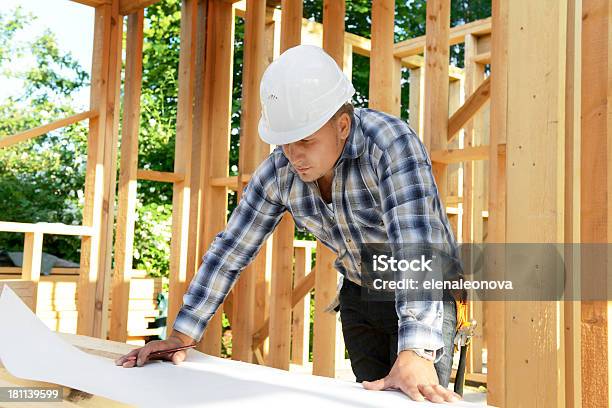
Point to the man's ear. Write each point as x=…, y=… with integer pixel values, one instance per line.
x=343, y=125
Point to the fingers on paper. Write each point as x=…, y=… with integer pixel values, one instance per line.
x=437, y=393
x=129, y=356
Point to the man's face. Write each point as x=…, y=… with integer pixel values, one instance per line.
x=315, y=156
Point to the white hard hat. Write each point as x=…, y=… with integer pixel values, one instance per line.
x=300, y=91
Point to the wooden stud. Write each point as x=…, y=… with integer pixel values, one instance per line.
x=32, y=260
x=101, y=146
x=333, y=29
x=252, y=152
x=596, y=198
x=198, y=151
x=473, y=190
x=291, y=23
x=494, y=312
x=533, y=355
x=111, y=145
x=300, y=324
x=126, y=212
x=382, y=62
x=435, y=118
x=572, y=221
x=182, y=160
x=417, y=85
x=324, y=350
x=217, y=116
x=281, y=293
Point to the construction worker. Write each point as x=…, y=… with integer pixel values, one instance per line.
x=348, y=176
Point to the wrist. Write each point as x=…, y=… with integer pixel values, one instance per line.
x=428, y=355
x=184, y=339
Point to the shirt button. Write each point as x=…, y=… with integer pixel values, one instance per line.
x=348, y=240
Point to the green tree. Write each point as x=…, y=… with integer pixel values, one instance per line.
x=41, y=179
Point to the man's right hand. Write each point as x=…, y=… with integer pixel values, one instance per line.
x=138, y=357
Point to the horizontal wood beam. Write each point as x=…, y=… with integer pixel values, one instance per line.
x=304, y=286
x=460, y=155
x=418, y=61
x=470, y=107
x=41, y=130
x=230, y=182
x=457, y=35
x=302, y=243
x=484, y=58
x=93, y=3
x=130, y=6
x=54, y=228
x=161, y=176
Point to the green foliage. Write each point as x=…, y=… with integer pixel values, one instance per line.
x=41, y=180
x=153, y=227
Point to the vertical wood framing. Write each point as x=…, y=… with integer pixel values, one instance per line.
x=300, y=323
x=182, y=160
x=417, y=87
x=382, y=63
x=198, y=151
x=264, y=276
x=217, y=117
x=291, y=24
x=99, y=177
x=494, y=311
x=126, y=211
x=333, y=29
x=199, y=163
x=281, y=293
x=252, y=152
x=534, y=356
x=324, y=349
x=595, y=196
x=435, y=117
x=32, y=260
x=111, y=144
x=282, y=261
x=473, y=191
x=572, y=310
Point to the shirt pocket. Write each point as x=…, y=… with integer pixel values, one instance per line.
x=365, y=209
x=308, y=219
x=369, y=217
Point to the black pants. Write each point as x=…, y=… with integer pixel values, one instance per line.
x=370, y=334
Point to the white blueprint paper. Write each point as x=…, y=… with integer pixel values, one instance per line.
x=29, y=350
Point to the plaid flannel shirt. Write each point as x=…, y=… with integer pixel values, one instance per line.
x=383, y=191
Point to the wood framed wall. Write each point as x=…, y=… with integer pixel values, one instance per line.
x=532, y=174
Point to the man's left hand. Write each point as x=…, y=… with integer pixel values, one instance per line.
x=416, y=377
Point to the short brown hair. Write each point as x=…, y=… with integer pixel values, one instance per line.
x=347, y=107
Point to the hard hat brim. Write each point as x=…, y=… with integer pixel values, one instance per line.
x=279, y=138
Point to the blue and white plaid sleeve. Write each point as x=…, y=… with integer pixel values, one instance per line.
x=252, y=221
x=408, y=193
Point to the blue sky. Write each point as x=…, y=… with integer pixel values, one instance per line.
x=72, y=24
